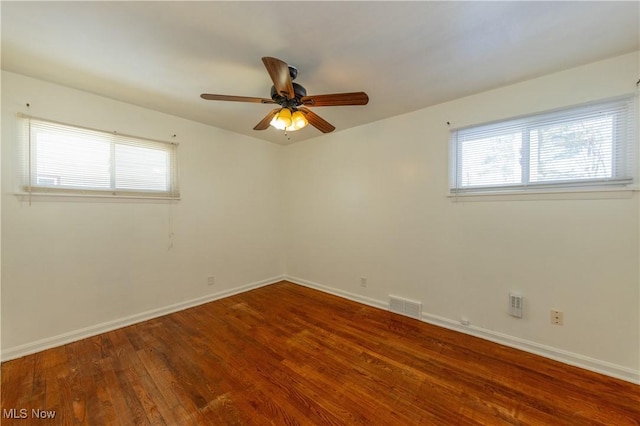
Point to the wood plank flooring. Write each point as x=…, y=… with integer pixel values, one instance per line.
x=288, y=355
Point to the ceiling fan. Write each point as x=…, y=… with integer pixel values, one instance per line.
x=292, y=113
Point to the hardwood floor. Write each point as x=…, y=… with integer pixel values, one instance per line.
x=286, y=355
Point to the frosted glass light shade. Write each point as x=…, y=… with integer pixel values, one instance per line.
x=284, y=117
x=299, y=120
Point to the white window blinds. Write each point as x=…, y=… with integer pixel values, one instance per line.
x=583, y=146
x=61, y=158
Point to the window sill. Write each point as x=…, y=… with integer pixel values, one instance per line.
x=40, y=196
x=556, y=194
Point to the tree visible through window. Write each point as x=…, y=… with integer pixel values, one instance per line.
x=587, y=145
x=578, y=150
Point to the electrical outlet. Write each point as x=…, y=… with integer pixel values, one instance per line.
x=557, y=317
x=363, y=281
x=211, y=280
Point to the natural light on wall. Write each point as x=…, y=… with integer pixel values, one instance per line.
x=65, y=159
x=587, y=146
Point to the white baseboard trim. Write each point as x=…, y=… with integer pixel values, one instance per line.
x=566, y=357
x=336, y=292
x=72, y=336
x=577, y=360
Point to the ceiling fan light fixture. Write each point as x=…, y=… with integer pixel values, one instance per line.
x=286, y=120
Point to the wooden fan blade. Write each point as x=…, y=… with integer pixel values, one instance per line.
x=316, y=121
x=336, y=99
x=279, y=73
x=210, y=97
x=264, y=123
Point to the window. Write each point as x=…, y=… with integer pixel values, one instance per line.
x=588, y=146
x=66, y=159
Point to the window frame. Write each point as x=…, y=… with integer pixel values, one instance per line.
x=624, y=173
x=29, y=175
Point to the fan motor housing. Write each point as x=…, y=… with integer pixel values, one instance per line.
x=298, y=90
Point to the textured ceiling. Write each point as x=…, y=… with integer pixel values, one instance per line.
x=405, y=55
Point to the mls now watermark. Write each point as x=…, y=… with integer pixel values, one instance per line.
x=23, y=413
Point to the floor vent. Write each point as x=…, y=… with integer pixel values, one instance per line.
x=407, y=307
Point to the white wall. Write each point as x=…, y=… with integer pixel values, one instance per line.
x=372, y=202
x=76, y=267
